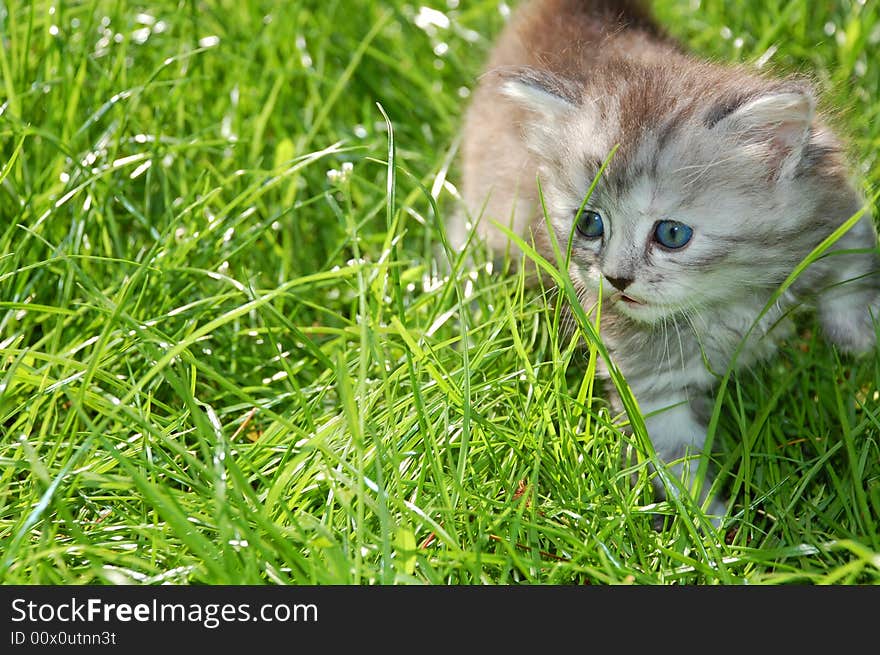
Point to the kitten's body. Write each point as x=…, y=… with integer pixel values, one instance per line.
x=739, y=158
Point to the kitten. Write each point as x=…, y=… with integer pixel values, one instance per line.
x=723, y=182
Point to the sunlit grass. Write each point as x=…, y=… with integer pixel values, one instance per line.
x=227, y=354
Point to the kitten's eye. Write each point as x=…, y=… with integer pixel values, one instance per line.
x=590, y=224
x=672, y=234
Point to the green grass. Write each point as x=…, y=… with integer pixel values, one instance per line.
x=221, y=364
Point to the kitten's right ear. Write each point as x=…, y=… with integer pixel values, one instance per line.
x=538, y=91
x=780, y=120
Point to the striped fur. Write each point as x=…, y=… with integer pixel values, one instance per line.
x=742, y=158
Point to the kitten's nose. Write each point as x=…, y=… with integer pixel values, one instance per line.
x=620, y=283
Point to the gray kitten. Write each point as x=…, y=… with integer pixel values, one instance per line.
x=724, y=181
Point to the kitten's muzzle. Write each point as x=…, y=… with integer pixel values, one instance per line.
x=620, y=283
x=629, y=300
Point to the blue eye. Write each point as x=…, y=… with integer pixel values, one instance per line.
x=590, y=224
x=672, y=234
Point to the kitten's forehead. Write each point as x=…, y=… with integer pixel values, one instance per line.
x=677, y=160
x=680, y=182
x=671, y=155
x=661, y=117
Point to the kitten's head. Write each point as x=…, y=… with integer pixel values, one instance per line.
x=721, y=184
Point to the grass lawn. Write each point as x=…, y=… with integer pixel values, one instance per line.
x=227, y=354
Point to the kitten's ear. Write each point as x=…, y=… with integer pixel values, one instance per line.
x=538, y=91
x=780, y=120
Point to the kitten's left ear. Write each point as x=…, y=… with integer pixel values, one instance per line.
x=779, y=120
x=549, y=100
x=538, y=91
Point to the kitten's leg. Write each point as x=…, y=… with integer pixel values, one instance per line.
x=849, y=305
x=678, y=437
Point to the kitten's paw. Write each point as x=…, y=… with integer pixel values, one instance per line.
x=850, y=322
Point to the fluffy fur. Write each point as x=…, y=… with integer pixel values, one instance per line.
x=742, y=159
